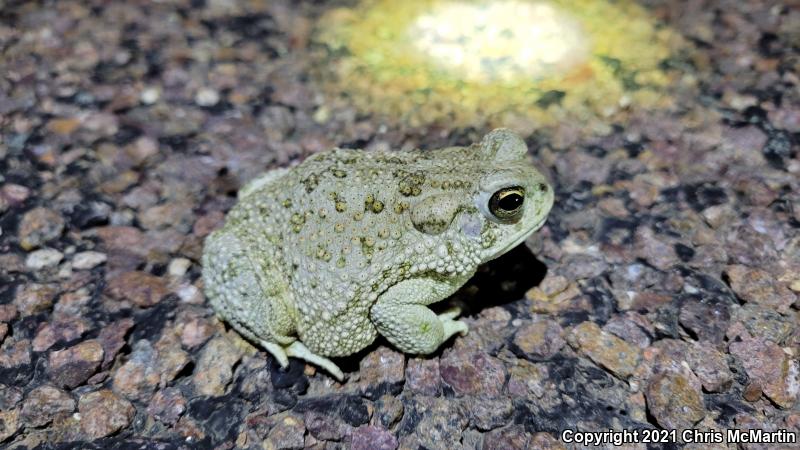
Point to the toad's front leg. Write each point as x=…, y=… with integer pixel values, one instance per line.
x=401, y=314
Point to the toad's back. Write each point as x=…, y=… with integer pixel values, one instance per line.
x=334, y=232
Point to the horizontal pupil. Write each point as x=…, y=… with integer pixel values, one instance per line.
x=510, y=202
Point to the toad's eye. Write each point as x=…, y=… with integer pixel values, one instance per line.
x=506, y=204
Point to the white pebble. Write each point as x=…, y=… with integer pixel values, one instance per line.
x=88, y=260
x=178, y=267
x=149, y=96
x=46, y=257
x=206, y=97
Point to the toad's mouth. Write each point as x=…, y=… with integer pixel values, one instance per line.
x=516, y=240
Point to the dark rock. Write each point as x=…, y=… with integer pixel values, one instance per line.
x=217, y=417
x=349, y=408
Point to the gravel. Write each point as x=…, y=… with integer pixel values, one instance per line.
x=663, y=291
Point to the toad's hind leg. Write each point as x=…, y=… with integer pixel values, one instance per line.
x=251, y=299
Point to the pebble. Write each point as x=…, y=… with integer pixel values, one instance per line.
x=8, y=312
x=388, y=410
x=45, y=403
x=472, y=373
x=546, y=441
x=178, y=267
x=39, y=226
x=43, y=258
x=9, y=423
x=15, y=353
x=33, y=298
x=540, y=340
x=675, y=399
x=196, y=332
x=88, y=260
x=605, y=349
x=437, y=423
x=710, y=366
x=326, y=427
x=765, y=323
x=708, y=321
x=488, y=414
x=103, y=413
x=167, y=405
x=214, y=370
x=653, y=248
x=63, y=329
x=372, y=438
x=776, y=372
x=12, y=195
x=758, y=286
x=512, y=437
x=149, y=96
x=380, y=370
x=632, y=327
x=141, y=288
x=150, y=367
x=206, y=97
x=112, y=338
x=286, y=434
x=422, y=376
x=74, y=365
x=529, y=380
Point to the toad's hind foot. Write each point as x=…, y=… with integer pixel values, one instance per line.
x=298, y=350
x=277, y=351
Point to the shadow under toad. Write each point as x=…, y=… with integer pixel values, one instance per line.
x=501, y=282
